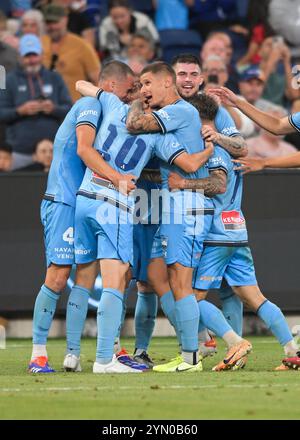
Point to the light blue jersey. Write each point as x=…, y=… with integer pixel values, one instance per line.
x=67, y=169
x=228, y=226
x=226, y=253
x=294, y=120
x=225, y=124
x=104, y=216
x=126, y=153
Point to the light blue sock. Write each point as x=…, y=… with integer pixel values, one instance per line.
x=275, y=321
x=44, y=309
x=77, y=308
x=232, y=308
x=167, y=302
x=187, y=318
x=144, y=318
x=213, y=319
x=108, y=322
x=124, y=310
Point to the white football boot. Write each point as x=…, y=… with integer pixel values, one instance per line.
x=113, y=367
x=72, y=363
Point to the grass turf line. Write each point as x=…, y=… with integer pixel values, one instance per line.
x=254, y=393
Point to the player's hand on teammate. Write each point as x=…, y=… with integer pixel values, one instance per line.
x=86, y=88
x=125, y=183
x=209, y=134
x=249, y=165
x=209, y=147
x=176, y=181
x=228, y=98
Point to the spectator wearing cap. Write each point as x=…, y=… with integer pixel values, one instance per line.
x=116, y=30
x=251, y=87
x=33, y=104
x=67, y=53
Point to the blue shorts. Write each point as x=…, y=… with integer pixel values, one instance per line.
x=102, y=231
x=182, y=243
x=58, y=221
x=235, y=264
x=143, y=237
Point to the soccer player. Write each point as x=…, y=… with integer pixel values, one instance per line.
x=227, y=254
x=104, y=216
x=189, y=79
x=170, y=117
x=72, y=152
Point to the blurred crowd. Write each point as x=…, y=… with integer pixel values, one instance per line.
x=250, y=46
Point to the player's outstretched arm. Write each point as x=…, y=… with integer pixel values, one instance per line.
x=86, y=88
x=235, y=145
x=93, y=160
x=140, y=122
x=216, y=183
x=267, y=121
x=190, y=163
x=251, y=165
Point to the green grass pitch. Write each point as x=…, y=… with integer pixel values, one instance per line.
x=254, y=393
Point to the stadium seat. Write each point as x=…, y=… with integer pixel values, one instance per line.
x=144, y=6
x=176, y=41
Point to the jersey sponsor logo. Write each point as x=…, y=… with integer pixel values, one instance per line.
x=215, y=161
x=88, y=112
x=163, y=114
x=232, y=220
x=102, y=182
x=210, y=278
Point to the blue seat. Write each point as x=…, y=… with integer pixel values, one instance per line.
x=176, y=41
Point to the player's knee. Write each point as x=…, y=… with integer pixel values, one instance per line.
x=200, y=294
x=57, y=281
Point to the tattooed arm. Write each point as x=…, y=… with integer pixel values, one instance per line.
x=140, y=122
x=216, y=183
x=235, y=145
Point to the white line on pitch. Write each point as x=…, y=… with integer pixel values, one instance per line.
x=153, y=387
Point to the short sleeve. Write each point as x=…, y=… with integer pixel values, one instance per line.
x=225, y=124
x=168, y=148
x=88, y=112
x=172, y=117
x=109, y=102
x=295, y=121
x=220, y=160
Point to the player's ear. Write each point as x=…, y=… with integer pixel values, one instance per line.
x=112, y=85
x=168, y=82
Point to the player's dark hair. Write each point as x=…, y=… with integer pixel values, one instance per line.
x=116, y=69
x=206, y=106
x=119, y=3
x=187, y=58
x=160, y=67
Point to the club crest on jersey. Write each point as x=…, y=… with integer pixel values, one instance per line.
x=232, y=220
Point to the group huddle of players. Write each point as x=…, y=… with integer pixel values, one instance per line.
x=143, y=185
